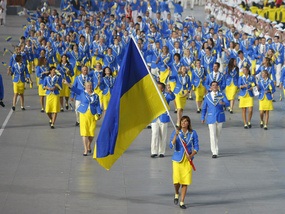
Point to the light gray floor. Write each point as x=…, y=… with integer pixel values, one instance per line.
x=43, y=171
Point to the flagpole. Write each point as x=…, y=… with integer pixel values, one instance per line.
x=163, y=102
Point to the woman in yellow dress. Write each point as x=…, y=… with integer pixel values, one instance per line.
x=232, y=76
x=266, y=89
x=66, y=72
x=182, y=88
x=42, y=71
x=19, y=73
x=198, y=80
x=52, y=84
x=90, y=111
x=162, y=61
x=246, y=83
x=106, y=86
x=182, y=170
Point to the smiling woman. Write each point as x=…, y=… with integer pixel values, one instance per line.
x=182, y=169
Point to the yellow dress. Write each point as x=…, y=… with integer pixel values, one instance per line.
x=200, y=92
x=65, y=92
x=87, y=124
x=41, y=91
x=52, y=103
x=182, y=172
x=265, y=104
x=231, y=91
x=106, y=100
x=180, y=99
x=18, y=87
x=245, y=101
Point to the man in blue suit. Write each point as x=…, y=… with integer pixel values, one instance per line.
x=213, y=107
x=159, y=125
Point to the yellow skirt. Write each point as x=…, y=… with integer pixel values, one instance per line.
x=106, y=100
x=172, y=85
x=246, y=101
x=180, y=100
x=76, y=73
x=65, y=91
x=182, y=172
x=58, y=57
x=200, y=92
x=265, y=104
x=52, y=103
x=30, y=66
x=163, y=75
x=231, y=91
x=18, y=87
x=190, y=74
x=253, y=66
x=36, y=62
x=41, y=91
x=87, y=124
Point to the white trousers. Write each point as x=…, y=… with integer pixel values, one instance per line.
x=135, y=16
x=278, y=68
x=215, y=131
x=158, y=137
x=77, y=104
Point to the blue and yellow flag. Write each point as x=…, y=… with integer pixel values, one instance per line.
x=134, y=103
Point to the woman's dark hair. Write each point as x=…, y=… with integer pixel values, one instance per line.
x=189, y=123
x=111, y=72
x=42, y=61
x=268, y=60
x=162, y=85
x=66, y=58
x=212, y=42
x=178, y=55
x=18, y=58
x=231, y=65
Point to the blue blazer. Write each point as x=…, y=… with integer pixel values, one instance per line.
x=49, y=82
x=20, y=71
x=220, y=80
x=164, y=118
x=243, y=81
x=214, y=111
x=63, y=69
x=270, y=69
x=179, y=86
x=79, y=83
x=107, y=84
x=40, y=73
x=87, y=101
x=265, y=85
x=233, y=76
x=198, y=78
x=191, y=141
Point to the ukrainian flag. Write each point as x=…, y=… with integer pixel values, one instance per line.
x=134, y=103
